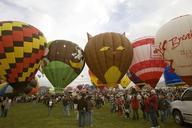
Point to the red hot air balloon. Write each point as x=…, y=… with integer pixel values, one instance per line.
x=147, y=64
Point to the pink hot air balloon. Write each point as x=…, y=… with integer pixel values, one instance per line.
x=175, y=39
x=147, y=64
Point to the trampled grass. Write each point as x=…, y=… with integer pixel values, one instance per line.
x=30, y=115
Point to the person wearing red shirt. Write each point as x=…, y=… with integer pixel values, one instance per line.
x=135, y=107
x=146, y=109
x=153, y=108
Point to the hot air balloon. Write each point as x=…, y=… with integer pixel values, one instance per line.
x=175, y=39
x=28, y=88
x=34, y=91
x=171, y=78
x=95, y=81
x=21, y=50
x=5, y=88
x=63, y=63
x=136, y=80
x=147, y=65
x=108, y=55
x=125, y=81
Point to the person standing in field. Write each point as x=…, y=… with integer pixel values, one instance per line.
x=6, y=106
x=89, y=112
x=50, y=106
x=2, y=108
x=135, y=107
x=82, y=107
x=153, y=108
x=66, y=105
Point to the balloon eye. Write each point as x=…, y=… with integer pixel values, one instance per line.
x=120, y=48
x=106, y=48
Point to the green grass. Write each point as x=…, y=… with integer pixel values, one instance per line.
x=31, y=115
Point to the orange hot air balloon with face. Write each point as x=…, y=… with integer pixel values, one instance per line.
x=108, y=55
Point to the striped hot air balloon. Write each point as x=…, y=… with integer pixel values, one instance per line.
x=147, y=64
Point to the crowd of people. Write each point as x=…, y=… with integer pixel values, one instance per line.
x=126, y=103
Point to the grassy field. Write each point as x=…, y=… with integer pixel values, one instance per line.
x=30, y=115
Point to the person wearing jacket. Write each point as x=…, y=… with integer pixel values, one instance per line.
x=89, y=112
x=82, y=107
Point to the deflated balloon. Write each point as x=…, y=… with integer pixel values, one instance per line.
x=108, y=55
x=63, y=63
x=21, y=50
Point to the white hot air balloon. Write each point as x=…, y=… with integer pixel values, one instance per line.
x=175, y=39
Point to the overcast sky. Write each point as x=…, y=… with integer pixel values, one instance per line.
x=71, y=19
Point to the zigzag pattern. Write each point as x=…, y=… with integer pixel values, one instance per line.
x=21, y=49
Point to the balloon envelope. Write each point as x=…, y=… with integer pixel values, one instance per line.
x=171, y=78
x=147, y=65
x=59, y=74
x=175, y=39
x=5, y=89
x=108, y=55
x=125, y=81
x=134, y=78
x=95, y=81
x=63, y=63
x=21, y=50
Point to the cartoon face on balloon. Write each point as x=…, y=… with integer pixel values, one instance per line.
x=66, y=52
x=63, y=63
x=108, y=55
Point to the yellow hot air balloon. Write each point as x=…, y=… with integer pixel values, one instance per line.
x=125, y=81
x=95, y=81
